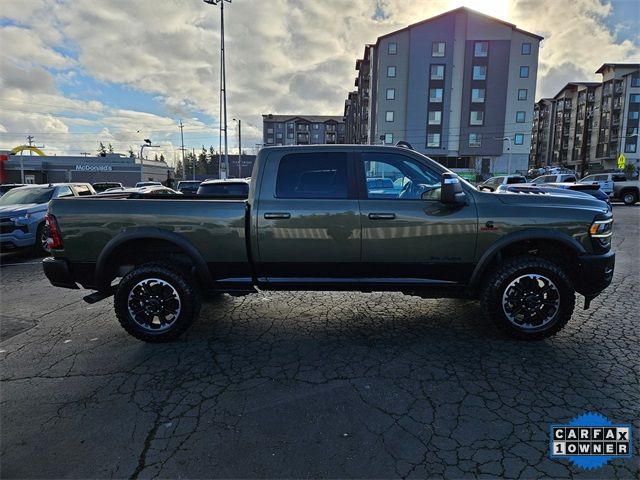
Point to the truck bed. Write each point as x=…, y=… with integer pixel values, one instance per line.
x=215, y=227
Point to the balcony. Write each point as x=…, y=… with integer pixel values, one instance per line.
x=617, y=104
x=615, y=122
x=302, y=127
x=619, y=88
x=591, y=97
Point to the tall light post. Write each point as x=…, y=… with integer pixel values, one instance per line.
x=239, y=122
x=223, y=87
x=508, y=139
x=147, y=143
x=583, y=150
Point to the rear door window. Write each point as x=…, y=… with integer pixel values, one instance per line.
x=313, y=175
x=64, y=192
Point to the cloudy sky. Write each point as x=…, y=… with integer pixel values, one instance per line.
x=74, y=73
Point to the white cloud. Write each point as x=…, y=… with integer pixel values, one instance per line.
x=283, y=56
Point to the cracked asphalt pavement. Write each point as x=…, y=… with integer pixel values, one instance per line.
x=310, y=384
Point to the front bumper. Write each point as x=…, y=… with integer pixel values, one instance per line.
x=17, y=239
x=595, y=273
x=58, y=272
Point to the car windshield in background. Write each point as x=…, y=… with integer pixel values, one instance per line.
x=23, y=196
x=225, y=189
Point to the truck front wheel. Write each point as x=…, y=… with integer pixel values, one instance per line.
x=156, y=302
x=528, y=297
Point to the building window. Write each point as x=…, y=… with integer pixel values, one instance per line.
x=433, y=140
x=480, y=49
x=392, y=48
x=436, y=72
x=634, y=115
x=388, y=138
x=477, y=95
x=526, y=49
x=524, y=71
x=634, y=98
x=475, y=139
x=270, y=130
x=316, y=136
x=279, y=136
x=437, y=49
x=476, y=117
x=630, y=148
x=290, y=135
x=316, y=126
x=635, y=80
x=435, y=95
x=391, y=71
x=391, y=93
x=389, y=116
x=435, y=117
x=522, y=93
x=280, y=126
x=479, y=72
x=520, y=117
x=518, y=139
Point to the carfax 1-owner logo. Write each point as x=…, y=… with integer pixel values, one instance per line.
x=590, y=441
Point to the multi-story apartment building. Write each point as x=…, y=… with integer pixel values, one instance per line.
x=541, y=134
x=619, y=111
x=574, y=106
x=302, y=129
x=592, y=123
x=459, y=87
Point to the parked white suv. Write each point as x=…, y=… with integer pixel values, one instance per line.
x=494, y=182
x=604, y=180
x=555, y=178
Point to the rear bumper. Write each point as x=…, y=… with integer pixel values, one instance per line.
x=58, y=272
x=595, y=273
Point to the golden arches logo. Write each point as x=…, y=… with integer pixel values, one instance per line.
x=21, y=148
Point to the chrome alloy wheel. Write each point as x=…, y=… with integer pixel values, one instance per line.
x=531, y=301
x=154, y=304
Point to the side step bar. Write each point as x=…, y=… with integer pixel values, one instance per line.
x=95, y=297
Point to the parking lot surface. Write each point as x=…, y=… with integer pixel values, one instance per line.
x=310, y=384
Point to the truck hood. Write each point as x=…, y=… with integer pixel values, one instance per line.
x=20, y=209
x=552, y=199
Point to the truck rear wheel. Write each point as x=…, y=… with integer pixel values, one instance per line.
x=529, y=298
x=156, y=302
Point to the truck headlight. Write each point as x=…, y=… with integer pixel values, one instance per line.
x=600, y=232
x=21, y=219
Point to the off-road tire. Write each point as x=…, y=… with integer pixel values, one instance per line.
x=501, y=277
x=38, y=247
x=630, y=198
x=183, y=286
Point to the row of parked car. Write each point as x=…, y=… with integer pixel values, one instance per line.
x=23, y=207
x=604, y=186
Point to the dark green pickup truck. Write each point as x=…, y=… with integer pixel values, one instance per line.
x=321, y=218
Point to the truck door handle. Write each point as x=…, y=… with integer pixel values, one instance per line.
x=277, y=215
x=382, y=216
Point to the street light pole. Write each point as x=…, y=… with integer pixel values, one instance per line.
x=510, y=149
x=182, y=145
x=239, y=147
x=583, y=152
x=142, y=147
x=223, y=86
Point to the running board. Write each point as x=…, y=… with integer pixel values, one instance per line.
x=95, y=297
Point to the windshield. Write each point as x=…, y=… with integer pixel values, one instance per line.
x=23, y=196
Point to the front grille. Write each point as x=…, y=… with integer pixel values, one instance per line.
x=7, y=226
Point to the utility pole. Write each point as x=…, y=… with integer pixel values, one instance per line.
x=223, y=89
x=30, y=140
x=182, y=145
x=194, y=163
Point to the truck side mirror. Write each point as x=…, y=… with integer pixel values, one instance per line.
x=451, y=191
